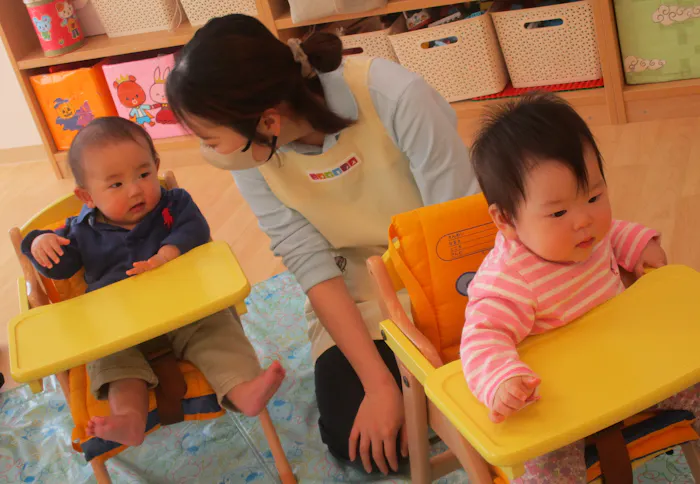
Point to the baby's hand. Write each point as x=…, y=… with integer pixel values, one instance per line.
x=652, y=256
x=47, y=248
x=512, y=395
x=165, y=254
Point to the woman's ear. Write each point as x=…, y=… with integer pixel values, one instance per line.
x=503, y=222
x=270, y=123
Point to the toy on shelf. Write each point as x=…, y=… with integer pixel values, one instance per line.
x=70, y=99
x=56, y=25
x=138, y=90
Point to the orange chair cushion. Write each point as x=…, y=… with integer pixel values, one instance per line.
x=440, y=248
x=200, y=403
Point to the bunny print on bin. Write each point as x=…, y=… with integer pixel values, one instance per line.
x=157, y=92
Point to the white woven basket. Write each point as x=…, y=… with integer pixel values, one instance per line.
x=473, y=66
x=374, y=44
x=200, y=12
x=129, y=17
x=549, y=55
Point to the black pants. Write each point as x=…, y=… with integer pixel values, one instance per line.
x=339, y=394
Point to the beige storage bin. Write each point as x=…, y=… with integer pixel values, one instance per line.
x=472, y=66
x=200, y=12
x=373, y=44
x=129, y=17
x=549, y=55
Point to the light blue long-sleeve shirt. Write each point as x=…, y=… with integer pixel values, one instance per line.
x=422, y=124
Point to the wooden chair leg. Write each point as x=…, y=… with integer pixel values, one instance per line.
x=100, y=471
x=692, y=456
x=415, y=405
x=476, y=467
x=273, y=440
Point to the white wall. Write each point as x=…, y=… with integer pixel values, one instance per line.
x=16, y=129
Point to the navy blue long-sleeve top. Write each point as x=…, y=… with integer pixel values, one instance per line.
x=107, y=251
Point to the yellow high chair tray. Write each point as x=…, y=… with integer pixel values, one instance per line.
x=57, y=337
x=614, y=362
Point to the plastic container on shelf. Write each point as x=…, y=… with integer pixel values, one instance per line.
x=70, y=99
x=374, y=44
x=460, y=60
x=659, y=42
x=56, y=25
x=89, y=20
x=547, y=45
x=129, y=17
x=138, y=91
x=200, y=12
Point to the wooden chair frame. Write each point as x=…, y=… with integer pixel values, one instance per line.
x=421, y=413
x=33, y=294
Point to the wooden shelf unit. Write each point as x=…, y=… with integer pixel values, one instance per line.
x=614, y=103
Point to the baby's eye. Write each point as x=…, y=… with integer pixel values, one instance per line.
x=116, y=185
x=559, y=214
x=594, y=199
x=145, y=174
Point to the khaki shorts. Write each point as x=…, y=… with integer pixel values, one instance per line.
x=216, y=345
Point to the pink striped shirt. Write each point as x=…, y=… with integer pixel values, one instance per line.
x=516, y=293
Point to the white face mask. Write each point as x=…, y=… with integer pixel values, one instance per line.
x=237, y=160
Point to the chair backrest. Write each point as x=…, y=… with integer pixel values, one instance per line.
x=42, y=289
x=435, y=252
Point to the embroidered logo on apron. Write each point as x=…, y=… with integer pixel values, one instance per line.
x=338, y=171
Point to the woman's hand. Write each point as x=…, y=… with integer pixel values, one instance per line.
x=379, y=420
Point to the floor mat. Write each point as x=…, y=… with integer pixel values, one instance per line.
x=35, y=429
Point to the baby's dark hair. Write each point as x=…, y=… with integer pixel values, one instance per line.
x=102, y=131
x=520, y=134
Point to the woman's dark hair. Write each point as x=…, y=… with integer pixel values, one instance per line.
x=105, y=131
x=520, y=134
x=234, y=69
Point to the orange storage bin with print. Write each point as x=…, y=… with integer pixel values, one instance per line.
x=71, y=99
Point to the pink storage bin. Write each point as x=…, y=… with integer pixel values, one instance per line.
x=138, y=90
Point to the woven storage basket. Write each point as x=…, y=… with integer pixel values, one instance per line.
x=200, y=12
x=473, y=66
x=549, y=55
x=129, y=17
x=374, y=44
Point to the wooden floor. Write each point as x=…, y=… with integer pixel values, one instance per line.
x=653, y=170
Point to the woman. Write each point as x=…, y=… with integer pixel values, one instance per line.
x=325, y=151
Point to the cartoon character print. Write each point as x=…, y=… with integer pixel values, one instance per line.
x=71, y=119
x=69, y=19
x=132, y=95
x=157, y=92
x=43, y=25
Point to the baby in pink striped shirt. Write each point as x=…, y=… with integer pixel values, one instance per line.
x=558, y=251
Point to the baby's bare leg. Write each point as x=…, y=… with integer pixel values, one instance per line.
x=250, y=397
x=218, y=346
x=128, y=404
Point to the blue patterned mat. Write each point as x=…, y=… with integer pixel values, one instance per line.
x=35, y=429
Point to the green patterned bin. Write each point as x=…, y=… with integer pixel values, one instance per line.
x=659, y=39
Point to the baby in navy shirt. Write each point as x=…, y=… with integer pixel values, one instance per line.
x=128, y=225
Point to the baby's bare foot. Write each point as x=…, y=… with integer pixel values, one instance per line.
x=123, y=429
x=251, y=397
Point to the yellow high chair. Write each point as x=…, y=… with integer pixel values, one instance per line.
x=627, y=355
x=60, y=329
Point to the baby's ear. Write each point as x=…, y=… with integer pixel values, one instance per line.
x=84, y=196
x=503, y=222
